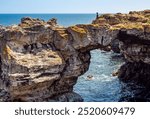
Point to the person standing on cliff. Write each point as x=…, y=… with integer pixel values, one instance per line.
x=97, y=15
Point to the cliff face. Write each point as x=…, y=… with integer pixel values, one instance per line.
x=134, y=43
x=41, y=61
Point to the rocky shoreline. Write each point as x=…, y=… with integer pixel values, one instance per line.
x=41, y=61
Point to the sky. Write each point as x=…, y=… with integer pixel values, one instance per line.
x=72, y=6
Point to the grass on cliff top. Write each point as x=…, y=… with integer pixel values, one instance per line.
x=62, y=33
x=136, y=20
x=78, y=29
x=127, y=26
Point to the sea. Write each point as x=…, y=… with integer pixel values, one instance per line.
x=102, y=87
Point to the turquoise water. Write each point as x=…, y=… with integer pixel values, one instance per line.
x=103, y=87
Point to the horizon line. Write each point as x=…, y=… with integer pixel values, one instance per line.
x=70, y=13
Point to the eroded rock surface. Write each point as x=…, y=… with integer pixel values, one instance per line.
x=134, y=43
x=41, y=61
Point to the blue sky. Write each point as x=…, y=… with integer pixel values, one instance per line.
x=72, y=6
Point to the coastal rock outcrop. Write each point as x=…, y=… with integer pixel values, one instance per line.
x=133, y=43
x=41, y=61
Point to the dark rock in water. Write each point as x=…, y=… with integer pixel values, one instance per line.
x=115, y=73
x=89, y=77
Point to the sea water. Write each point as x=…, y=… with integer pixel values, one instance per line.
x=102, y=87
x=63, y=19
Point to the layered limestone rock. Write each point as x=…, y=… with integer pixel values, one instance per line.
x=41, y=61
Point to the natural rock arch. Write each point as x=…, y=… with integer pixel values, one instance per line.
x=42, y=61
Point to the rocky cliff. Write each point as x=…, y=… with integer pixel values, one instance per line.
x=41, y=61
x=134, y=43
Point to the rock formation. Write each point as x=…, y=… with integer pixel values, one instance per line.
x=134, y=42
x=41, y=61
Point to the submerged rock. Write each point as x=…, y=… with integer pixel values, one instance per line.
x=41, y=61
x=90, y=77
